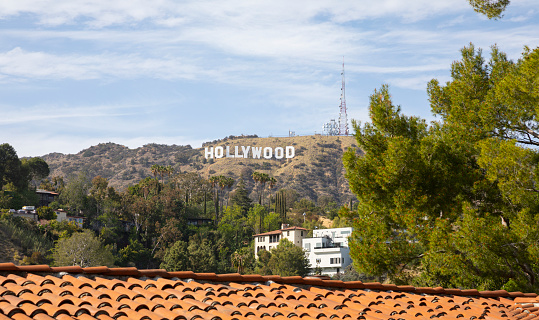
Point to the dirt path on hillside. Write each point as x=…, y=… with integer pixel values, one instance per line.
x=7, y=249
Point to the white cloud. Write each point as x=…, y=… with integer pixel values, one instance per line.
x=412, y=82
x=102, y=13
x=21, y=64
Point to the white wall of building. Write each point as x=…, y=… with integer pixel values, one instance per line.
x=328, y=249
x=270, y=240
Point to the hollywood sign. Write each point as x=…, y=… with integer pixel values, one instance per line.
x=287, y=152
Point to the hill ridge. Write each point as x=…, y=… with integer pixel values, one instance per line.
x=315, y=170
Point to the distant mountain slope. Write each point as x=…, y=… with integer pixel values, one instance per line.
x=315, y=170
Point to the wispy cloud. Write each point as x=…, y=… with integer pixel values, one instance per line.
x=103, y=13
x=217, y=66
x=37, y=114
x=19, y=63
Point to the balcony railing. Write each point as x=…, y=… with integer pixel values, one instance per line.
x=328, y=246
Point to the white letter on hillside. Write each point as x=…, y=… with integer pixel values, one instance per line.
x=208, y=153
x=219, y=152
x=236, y=152
x=279, y=153
x=268, y=152
x=257, y=152
x=245, y=151
x=228, y=152
x=290, y=152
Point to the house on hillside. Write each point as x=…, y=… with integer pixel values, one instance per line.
x=61, y=215
x=46, y=197
x=269, y=240
x=327, y=250
x=27, y=212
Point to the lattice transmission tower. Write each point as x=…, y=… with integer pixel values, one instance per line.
x=343, y=117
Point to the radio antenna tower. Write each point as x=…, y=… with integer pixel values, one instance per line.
x=343, y=118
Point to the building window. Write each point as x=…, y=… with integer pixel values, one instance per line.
x=318, y=260
x=302, y=233
x=308, y=246
x=335, y=260
x=274, y=238
x=288, y=233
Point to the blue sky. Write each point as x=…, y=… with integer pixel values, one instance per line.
x=77, y=73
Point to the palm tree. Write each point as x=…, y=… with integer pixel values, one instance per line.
x=271, y=183
x=214, y=181
x=261, y=179
x=155, y=170
x=224, y=183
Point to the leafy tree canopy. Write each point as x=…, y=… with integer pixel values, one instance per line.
x=46, y=213
x=83, y=249
x=493, y=9
x=456, y=201
x=288, y=259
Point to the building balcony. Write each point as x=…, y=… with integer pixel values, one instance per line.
x=335, y=248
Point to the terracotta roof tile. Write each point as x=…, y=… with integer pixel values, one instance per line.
x=40, y=292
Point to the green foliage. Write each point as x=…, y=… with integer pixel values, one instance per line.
x=457, y=201
x=256, y=217
x=201, y=256
x=176, y=257
x=288, y=259
x=36, y=168
x=243, y=260
x=241, y=197
x=263, y=266
x=133, y=255
x=493, y=9
x=55, y=230
x=46, y=213
x=10, y=166
x=235, y=228
x=75, y=193
x=26, y=234
x=280, y=206
x=83, y=249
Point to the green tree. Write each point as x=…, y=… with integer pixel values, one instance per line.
x=288, y=259
x=133, y=255
x=10, y=166
x=261, y=179
x=243, y=259
x=46, y=213
x=176, y=257
x=455, y=201
x=83, y=249
x=235, y=228
x=201, y=255
x=75, y=193
x=263, y=263
x=241, y=197
x=36, y=168
x=490, y=8
x=256, y=216
x=272, y=221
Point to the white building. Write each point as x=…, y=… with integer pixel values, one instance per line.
x=328, y=249
x=61, y=215
x=269, y=240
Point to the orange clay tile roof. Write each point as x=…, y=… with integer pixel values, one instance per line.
x=280, y=231
x=44, y=293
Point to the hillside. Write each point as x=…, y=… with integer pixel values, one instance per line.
x=315, y=170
